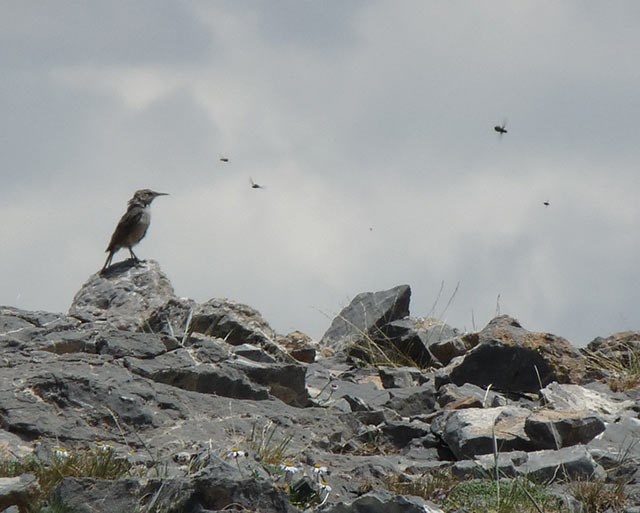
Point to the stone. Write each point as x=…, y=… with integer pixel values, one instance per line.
x=368, y=315
x=553, y=429
x=18, y=491
x=123, y=297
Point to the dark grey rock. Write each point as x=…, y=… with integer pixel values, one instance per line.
x=368, y=315
x=18, y=491
x=553, y=429
x=138, y=345
x=512, y=359
x=381, y=501
x=414, y=338
x=124, y=297
x=87, y=495
x=178, y=369
x=400, y=377
x=401, y=433
x=412, y=401
x=445, y=350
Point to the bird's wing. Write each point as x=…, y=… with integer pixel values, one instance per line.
x=127, y=221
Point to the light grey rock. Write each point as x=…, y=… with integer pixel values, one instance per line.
x=471, y=432
x=18, y=491
x=125, y=296
x=368, y=315
x=569, y=464
x=468, y=396
x=574, y=397
x=400, y=377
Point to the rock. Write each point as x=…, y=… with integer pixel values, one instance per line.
x=568, y=463
x=299, y=345
x=88, y=495
x=575, y=397
x=138, y=345
x=367, y=316
x=412, y=401
x=550, y=429
x=399, y=377
x=381, y=501
x=18, y=491
x=510, y=358
x=413, y=338
x=618, y=451
x=448, y=349
x=468, y=396
x=125, y=296
x=470, y=432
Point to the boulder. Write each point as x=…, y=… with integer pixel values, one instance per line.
x=367, y=317
x=124, y=296
x=471, y=432
x=566, y=464
x=414, y=338
x=512, y=359
x=553, y=429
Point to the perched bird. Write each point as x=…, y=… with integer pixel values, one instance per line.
x=133, y=225
x=254, y=185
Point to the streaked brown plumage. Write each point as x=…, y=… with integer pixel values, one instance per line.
x=133, y=225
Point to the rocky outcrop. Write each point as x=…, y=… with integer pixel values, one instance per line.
x=208, y=408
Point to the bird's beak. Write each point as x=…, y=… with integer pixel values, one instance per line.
x=161, y=194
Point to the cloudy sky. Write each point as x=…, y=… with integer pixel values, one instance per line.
x=369, y=122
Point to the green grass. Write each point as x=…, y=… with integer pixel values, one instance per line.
x=100, y=462
x=477, y=495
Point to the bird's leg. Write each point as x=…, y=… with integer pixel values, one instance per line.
x=133, y=256
x=107, y=262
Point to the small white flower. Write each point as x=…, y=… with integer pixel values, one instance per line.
x=236, y=453
x=61, y=453
x=324, y=486
x=289, y=468
x=104, y=447
x=320, y=469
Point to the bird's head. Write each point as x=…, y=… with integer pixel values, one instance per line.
x=145, y=196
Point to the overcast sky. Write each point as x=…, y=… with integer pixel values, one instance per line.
x=369, y=122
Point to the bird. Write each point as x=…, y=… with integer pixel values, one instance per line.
x=254, y=185
x=133, y=225
x=224, y=159
x=546, y=203
x=501, y=129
